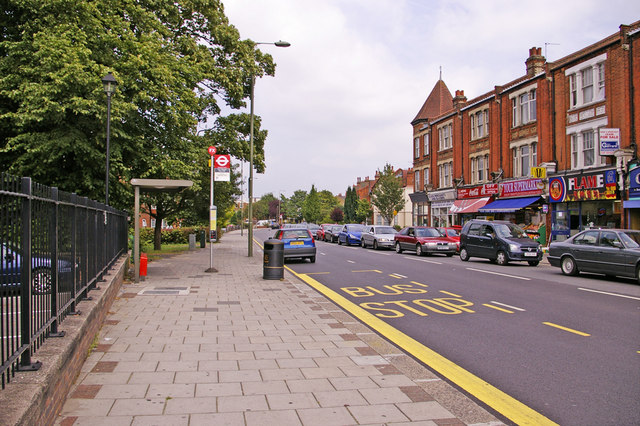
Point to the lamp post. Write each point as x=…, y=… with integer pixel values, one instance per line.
x=109, y=82
x=279, y=43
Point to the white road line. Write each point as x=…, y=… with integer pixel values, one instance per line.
x=398, y=275
x=508, y=306
x=351, y=261
x=423, y=260
x=609, y=294
x=499, y=273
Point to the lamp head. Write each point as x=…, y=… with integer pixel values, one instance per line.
x=109, y=82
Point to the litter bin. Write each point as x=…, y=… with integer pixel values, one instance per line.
x=143, y=264
x=203, y=239
x=273, y=268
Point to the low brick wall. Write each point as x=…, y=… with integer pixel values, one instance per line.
x=36, y=398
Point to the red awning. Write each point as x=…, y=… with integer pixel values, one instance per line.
x=468, y=205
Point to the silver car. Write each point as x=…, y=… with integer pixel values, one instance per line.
x=378, y=236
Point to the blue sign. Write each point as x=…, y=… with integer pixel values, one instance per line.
x=634, y=183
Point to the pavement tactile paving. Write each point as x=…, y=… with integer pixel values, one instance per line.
x=236, y=349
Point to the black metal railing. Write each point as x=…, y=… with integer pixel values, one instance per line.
x=54, y=248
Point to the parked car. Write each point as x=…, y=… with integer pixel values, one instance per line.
x=378, y=236
x=453, y=233
x=321, y=232
x=423, y=240
x=298, y=243
x=313, y=228
x=498, y=241
x=350, y=234
x=41, y=273
x=331, y=234
x=612, y=252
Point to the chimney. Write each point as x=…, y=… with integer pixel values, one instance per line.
x=359, y=180
x=459, y=99
x=535, y=63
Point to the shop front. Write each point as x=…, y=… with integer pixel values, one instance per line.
x=632, y=205
x=470, y=200
x=520, y=202
x=441, y=202
x=583, y=200
x=420, y=208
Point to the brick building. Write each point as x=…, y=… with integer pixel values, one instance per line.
x=531, y=151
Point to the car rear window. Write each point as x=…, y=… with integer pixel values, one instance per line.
x=427, y=232
x=295, y=233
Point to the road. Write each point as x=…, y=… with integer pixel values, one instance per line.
x=567, y=348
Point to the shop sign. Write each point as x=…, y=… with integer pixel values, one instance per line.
x=449, y=194
x=521, y=188
x=634, y=183
x=584, y=187
x=478, y=191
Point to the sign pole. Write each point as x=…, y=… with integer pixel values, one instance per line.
x=212, y=214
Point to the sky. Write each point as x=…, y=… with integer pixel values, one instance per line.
x=358, y=71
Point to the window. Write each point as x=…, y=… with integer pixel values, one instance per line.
x=523, y=108
x=426, y=144
x=587, y=82
x=479, y=124
x=524, y=157
x=444, y=137
x=584, y=150
x=480, y=168
x=153, y=223
x=426, y=178
x=445, y=171
x=416, y=147
x=144, y=223
x=416, y=181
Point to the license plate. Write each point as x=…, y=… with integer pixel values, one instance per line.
x=297, y=243
x=530, y=254
x=443, y=247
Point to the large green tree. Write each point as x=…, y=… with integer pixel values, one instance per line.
x=387, y=194
x=175, y=62
x=350, y=205
x=312, y=207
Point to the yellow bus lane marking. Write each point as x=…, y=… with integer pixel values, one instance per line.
x=570, y=330
x=497, y=308
x=417, y=283
x=397, y=276
x=450, y=294
x=508, y=406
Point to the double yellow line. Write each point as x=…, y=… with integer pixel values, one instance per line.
x=490, y=395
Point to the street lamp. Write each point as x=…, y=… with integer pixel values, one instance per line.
x=279, y=43
x=109, y=82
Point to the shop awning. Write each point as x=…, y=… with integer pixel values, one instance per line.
x=631, y=204
x=508, y=205
x=419, y=197
x=468, y=205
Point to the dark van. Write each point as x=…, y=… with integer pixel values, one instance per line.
x=499, y=241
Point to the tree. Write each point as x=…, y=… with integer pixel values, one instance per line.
x=328, y=202
x=363, y=211
x=337, y=215
x=261, y=207
x=294, y=205
x=387, y=194
x=174, y=61
x=312, y=207
x=350, y=205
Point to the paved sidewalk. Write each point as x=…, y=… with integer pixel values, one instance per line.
x=185, y=347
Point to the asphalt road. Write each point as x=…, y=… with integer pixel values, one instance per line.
x=566, y=347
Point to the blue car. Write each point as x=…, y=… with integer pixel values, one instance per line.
x=351, y=234
x=41, y=274
x=298, y=243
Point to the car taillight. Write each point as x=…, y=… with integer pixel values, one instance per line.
x=280, y=236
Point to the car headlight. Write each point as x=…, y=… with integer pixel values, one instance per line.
x=513, y=247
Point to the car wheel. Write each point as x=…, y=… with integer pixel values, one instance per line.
x=41, y=281
x=398, y=249
x=312, y=259
x=339, y=242
x=375, y=244
x=419, y=250
x=533, y=262
x=638, y=274
x=568, y=266
x=363, y=244
x=464, y=254
x=501, y=258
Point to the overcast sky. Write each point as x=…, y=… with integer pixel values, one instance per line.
x=358, y=71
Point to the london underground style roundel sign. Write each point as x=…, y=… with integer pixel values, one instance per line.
x=212, y=150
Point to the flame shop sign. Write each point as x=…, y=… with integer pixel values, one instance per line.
x=584, y=187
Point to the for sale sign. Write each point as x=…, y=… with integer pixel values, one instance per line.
x=609, y=141
x=222, y=168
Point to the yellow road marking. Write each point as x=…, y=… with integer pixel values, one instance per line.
x=450, y=294
x=417, y=283
x=369, y=270
x=490, y=395
x=570, y=330
x=398, y=277
x=497, y=309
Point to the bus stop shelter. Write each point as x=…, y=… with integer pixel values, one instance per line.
x=150, y=185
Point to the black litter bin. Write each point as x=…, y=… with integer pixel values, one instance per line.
x=273, y=267
x=203, y=239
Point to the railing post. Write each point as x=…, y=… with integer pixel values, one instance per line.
x=55, y=259
x=25, y=281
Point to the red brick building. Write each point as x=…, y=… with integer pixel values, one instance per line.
x=555, y=147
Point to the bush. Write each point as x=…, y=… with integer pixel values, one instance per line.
x=169, y=236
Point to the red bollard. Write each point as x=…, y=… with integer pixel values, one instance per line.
x=143, y=264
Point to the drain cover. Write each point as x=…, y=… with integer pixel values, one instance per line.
x=168, y=291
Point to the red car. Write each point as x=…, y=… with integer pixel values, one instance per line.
x=424, y=240
x=320, y=232
x=452, y=232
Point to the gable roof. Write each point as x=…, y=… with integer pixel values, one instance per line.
x=438, y=102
